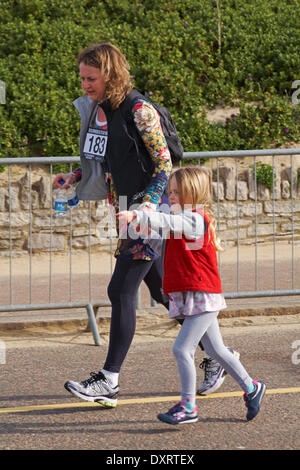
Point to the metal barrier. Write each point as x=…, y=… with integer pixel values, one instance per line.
x=215, y=162
x=291, y=205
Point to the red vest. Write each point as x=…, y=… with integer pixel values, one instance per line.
x=191, y=265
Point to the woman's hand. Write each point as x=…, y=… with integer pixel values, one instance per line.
x=68, y=179
x=125, y=217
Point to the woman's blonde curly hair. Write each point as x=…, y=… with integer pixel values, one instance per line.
x=114, y=69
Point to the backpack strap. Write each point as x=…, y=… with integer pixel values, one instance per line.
x=126, y=111
x=130, y=100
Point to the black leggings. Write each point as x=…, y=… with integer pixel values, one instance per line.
x=122, y=292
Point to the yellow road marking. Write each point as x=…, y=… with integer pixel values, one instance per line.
x=136, y=401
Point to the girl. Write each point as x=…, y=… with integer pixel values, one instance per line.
x=193, y=285
x=112, y=147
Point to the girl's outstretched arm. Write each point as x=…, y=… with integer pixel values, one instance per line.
x=187, y=223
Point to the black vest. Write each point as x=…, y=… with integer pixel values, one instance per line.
x=127, y=158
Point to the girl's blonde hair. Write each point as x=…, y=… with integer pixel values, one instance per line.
x=113, y=67
x=195, y=189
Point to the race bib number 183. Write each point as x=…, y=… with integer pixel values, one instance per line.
x=95, y=144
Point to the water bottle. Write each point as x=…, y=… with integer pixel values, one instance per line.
x=72, y=198
x=61, y=201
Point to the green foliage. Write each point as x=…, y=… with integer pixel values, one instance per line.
x=174, y=51
x=265, y=174
x=273, y=122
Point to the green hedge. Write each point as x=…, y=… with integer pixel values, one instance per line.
x=174, y=51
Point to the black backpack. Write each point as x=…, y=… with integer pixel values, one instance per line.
x=167, y=124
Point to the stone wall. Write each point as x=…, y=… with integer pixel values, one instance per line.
x=257, y=217
x=235, y=206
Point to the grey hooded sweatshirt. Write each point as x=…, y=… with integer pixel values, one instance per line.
x=92, y=184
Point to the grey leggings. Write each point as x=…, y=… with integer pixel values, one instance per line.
x=204, y=327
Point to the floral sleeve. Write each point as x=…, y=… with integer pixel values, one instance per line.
x=148, y=125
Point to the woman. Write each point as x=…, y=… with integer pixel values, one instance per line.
x=128, y=169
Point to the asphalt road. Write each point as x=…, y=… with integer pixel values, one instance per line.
x=36, y=413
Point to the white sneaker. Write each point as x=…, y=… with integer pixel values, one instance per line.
x=214, y=374
x=96, y=389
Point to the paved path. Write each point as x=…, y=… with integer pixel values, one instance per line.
x=40, y=350
x=37, y=413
